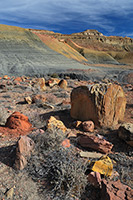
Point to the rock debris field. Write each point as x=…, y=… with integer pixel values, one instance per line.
x=65, y=139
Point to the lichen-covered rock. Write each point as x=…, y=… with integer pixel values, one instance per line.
x=125, y=132
x=103, y=103
x=53, y=124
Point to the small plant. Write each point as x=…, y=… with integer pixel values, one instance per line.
x=3, y=116
x=54, y=75
x=62, y=171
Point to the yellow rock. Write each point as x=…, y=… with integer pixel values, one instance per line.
x=103, y=166
x=63, y=84
x=28, y=100
x=42, y=84
x=53, y=123
x=9, y=193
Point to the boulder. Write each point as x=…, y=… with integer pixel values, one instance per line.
x=25, y=146
x=39, y=98
x=53, y=124
x=115, y=191
x=28, y=100
x=18, y=121
x=63, y=84
x=88, y=126
x=53, y=81
x=40, y=83
x=103, y=103
x=125, y=132
x=93, y=142
x=103, y=166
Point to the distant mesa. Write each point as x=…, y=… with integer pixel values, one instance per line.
x=33, y=52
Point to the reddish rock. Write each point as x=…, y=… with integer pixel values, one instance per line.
x=39, y=98
x=18, y=121
x=66, y=143
x=95, y=179
x=104, y=104
x=115, y=191
x=93, y=142
x=25, y=146
x=63, y=84
x=88, y=126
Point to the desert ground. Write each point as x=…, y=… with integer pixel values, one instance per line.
x=48, y=150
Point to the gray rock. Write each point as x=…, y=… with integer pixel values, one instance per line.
x=125, y=132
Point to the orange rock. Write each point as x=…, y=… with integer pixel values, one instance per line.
x=66, y=143
x=18, y=79
x=53, y=124
x=63, y=84
x=18, y=121
x=6, y=77
x=104, y=104
x=88, y=126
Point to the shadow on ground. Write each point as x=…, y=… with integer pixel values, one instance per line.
x=7, y=155
x=63, y=115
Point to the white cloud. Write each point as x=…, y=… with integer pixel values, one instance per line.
x=91, y=12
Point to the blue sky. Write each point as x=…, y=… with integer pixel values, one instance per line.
x=111, y=17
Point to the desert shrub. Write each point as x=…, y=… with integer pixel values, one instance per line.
x=54, y=75
x=60, y=169
x=48, y=141
x=3, y=115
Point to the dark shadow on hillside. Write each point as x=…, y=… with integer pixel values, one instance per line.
x=7, y=155
x=119, y=144
x=63, y=115
x=129, y=106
